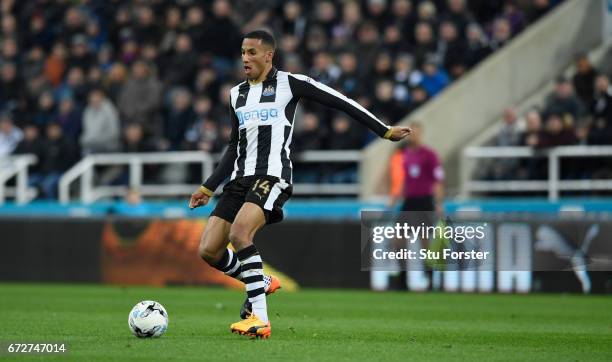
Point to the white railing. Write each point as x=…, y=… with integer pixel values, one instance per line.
x=16, y=166
x=84, y=170
x=553, y=185
x=89, y=192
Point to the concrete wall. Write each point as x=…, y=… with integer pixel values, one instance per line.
x=509, y=76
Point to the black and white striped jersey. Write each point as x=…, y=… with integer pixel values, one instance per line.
x=262, y=124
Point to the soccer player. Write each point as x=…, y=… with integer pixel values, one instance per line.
x=262, y=111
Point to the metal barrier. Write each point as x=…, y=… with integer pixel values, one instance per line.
x=16, y=166
x=554, y=185
x=84, y=170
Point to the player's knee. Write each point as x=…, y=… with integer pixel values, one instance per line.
x=208, y=253
x=240, y=236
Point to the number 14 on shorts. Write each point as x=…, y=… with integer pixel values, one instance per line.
x=262, y=186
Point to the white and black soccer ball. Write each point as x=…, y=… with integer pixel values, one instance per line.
x=148, y=319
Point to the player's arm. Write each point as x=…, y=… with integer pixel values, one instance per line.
x=222, y=171
x=306, y=87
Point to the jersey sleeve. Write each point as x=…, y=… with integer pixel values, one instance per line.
x=306, y=87
x=226, y=164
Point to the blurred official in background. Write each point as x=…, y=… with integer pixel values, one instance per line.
x=416, y=175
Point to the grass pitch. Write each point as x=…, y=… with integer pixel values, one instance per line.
x=313, y=325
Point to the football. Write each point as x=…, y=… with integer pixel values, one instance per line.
x=148, y=319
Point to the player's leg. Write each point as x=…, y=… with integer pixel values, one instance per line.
x=214, y=251
x=251, y=218
x=213, y=247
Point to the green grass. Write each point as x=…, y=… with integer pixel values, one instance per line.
x=313, y=325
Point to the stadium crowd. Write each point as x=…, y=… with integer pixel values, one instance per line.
x=80, y=77
x=577, y=112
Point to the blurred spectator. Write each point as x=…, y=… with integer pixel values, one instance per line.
x=115, y=80
x=556, y=133
x=139, y=99
x=202, y=107
x=324, y=70
x=584, y=79
x=195, y=27
x=508, y=136
x=101, y=129
x=427, y=12
x=477, y=47
x=171, y=27
x=343, y=136
x=203, y=136
x=79, y=54
x=419, y=96
x=405, y=77
x=434, y=78
x=134, y=139
x=403, y=17
x=180, y=118
x=383, y=67
x=293, y=21
x=425, y=44
x=10, y=135
x=532, y=168
x=38, y=34
x=46, y=110
x=55, y=65
x=385, y=105
x=564, y=101
x=10, y=86
x=458, y=14
x=74, y=86
x=601, y=108
x=221, y=109
x=60, y=155
x=533, y=130
x=182, y=66
x=221, y=22
x=146, y=30
x=502, y=32
x=368, y=46
x=509, y=133
x=32, y=144
x=10, y=50
x=311, y=134
x=69, y=118
x=34, y=63
x=348, y=81
x=514, y=15
x=451, y=48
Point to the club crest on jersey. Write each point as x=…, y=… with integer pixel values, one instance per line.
x=268, y=91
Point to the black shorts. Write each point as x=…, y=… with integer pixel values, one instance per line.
x=267, y=192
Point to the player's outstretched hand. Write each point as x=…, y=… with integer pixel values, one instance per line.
x=399, y=133
x=198, y=198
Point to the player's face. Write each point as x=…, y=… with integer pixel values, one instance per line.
x=255, y=56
